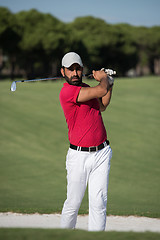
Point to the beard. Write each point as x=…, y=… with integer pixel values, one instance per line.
x=71, y=80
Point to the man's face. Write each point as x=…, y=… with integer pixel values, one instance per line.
x=73, y=74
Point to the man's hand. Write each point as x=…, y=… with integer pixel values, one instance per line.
x=88, y=93
x=99, y=75
x=109, y=72
x=100, y=91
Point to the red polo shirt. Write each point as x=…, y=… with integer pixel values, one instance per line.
x=84, y=120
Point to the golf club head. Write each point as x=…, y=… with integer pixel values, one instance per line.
x=13, y=86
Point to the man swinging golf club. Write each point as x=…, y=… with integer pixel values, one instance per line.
x=89, y=155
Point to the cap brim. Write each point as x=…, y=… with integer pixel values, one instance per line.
x=69, y=65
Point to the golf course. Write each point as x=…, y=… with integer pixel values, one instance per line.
x=34, y=143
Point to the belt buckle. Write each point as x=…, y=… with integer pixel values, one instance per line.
x=93, y=147
x=90, y=149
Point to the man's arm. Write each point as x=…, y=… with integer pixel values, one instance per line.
x=104, y=101
x=88, y=93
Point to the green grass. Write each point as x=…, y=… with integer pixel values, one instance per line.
x=34, y=143
x=30, y=234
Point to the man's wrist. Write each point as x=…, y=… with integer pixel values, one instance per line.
x=110, y=80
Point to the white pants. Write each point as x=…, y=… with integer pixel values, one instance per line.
x=82, y=168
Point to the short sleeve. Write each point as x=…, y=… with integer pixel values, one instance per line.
x=69, y=93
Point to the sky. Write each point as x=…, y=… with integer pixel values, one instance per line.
x=134, y=12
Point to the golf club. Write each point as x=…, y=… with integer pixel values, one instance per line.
x=13, y=85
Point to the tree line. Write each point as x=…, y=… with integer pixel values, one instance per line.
x=32, y=44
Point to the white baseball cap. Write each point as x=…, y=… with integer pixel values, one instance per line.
x=71, y=58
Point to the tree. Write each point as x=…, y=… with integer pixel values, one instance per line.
x=36, y=42
x=42, y=39
x=30, y=44
x=92, y=32
x=107, y=45
x=122, y=52
x=9, y=37
x=154, y=49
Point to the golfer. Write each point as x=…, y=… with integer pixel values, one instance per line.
x=89, y=155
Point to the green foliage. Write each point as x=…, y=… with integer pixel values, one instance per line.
x=39, y=31
x=154, y=41
x=6, y=18
x=9, y=32
x=32, y=38
x=93, y=33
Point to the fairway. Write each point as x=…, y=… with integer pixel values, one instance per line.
x=58, y=234
x=34, y=143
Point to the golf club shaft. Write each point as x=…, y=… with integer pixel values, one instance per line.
x=54, y=78
x=40, y=79
x=13, y=86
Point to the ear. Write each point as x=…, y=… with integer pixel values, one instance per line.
x=62, y=72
